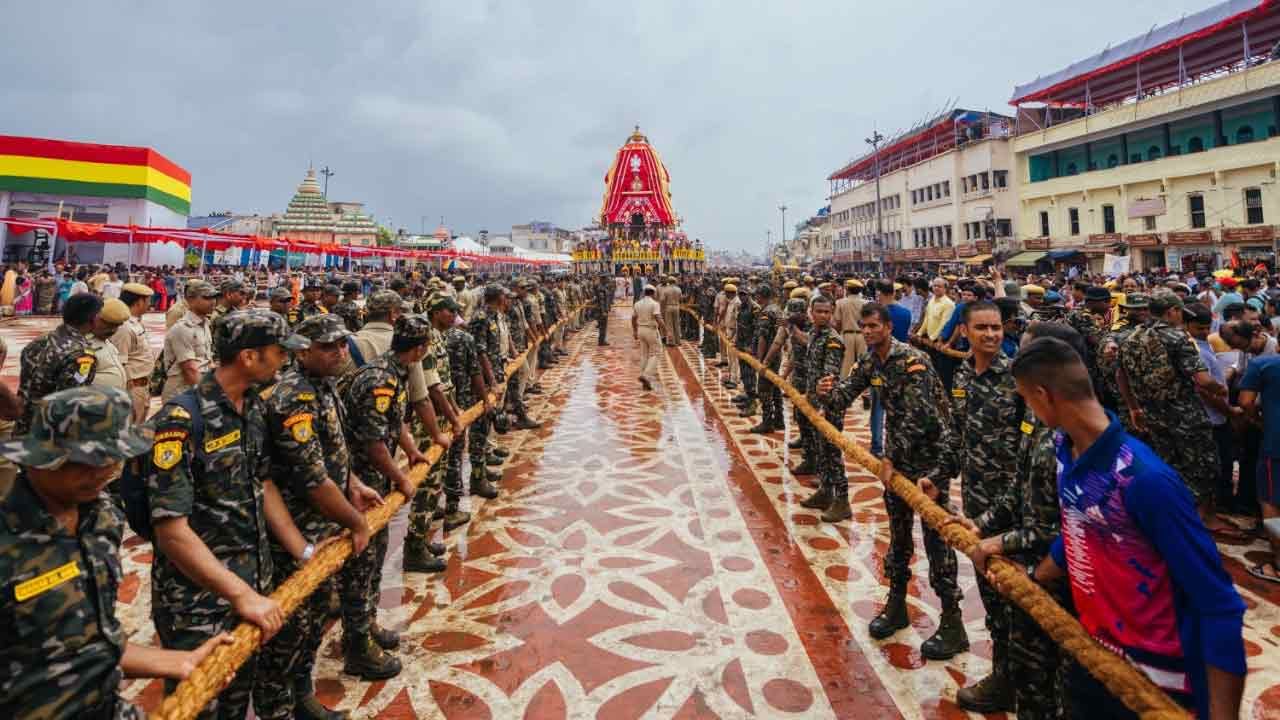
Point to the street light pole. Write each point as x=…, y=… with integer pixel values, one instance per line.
x=783, y=237
x=327, y=173
x=874, y=141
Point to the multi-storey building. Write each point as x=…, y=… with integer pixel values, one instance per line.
x=1163, y=148
x=946, y=195
x=542, y=236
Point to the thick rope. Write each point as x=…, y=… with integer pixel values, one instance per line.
x=219, y=668
x=1122, y=679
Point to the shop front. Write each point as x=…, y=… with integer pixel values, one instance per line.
x=1145, y=251
x=1253, y=247
x=1191, y=251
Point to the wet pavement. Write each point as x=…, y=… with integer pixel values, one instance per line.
x=648, y=558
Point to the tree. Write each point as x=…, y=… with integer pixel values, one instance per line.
x=386, y=238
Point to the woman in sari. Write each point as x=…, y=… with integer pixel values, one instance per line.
x=22, y=304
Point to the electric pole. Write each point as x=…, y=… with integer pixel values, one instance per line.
x=327, y=173
x=783, y=237
x=874, y=141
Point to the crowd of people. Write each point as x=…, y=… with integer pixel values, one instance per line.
x=277, y=428
x=1094, y=427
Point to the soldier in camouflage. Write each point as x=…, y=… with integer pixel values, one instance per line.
x=60, y=359
x=797, y=373
x=707, y=314
x=347, y=309
x=1090, y=322
x=63, y=652
x=824, y=355
x=518, y=328
x=376, y=403
x=603, y=297
x=310, y=305
x=987, y=413
x=231, y=297
x=483, y=328
x=280, y=301
x=470, y=384
x=1160, y=376
x=769, y=322
x=919, y=443
x=1135, y=312
x=309, y=456
x=211, y=500
x=442, y=313
x=745, y=341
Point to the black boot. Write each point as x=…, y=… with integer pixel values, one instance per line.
x=493, y=461
x=386, y=638
x=805, y=468
x=991, y=694
x=499, y=451
x=527, y=423
x=480, y=486
x=365, y=659
x=838, y=509
x=950, y=639
x=797, y=444
x=310, y=708
x=454, y=518
x=819, y=500
x=893, y=617
x=420, y=560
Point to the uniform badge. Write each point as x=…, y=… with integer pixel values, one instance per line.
x=43, y=583
x=958, y=393
x=876, y=382
x=166, y=454
x=179, y=412
x=306, y=397
x=84, y=365
x=916, y=368
x=1026, y=427
x=382, y=403
x=299, y=426
x=219, y=443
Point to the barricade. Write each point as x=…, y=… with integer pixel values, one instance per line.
x=1122, y=679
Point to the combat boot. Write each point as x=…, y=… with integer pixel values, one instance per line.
x=805, y=468
x=797, y=444
x=526, y=423
x=364, y=658
x=950, y=639
x=763, y=428
x=481, y=486
x=838, y=509
x=740, y=398
x=991, y=694
x=386, y=638
x=752, y=407
x=493, y=461
x=499, y=451
x=437, y=548
x=420, y=560
x=453, y=517
x=310, y=708
x=819, y=500
x=893, y=617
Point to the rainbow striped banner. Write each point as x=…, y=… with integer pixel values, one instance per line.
x=72, y=168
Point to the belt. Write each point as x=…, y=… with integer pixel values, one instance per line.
x=850, y=332
x=140, y=382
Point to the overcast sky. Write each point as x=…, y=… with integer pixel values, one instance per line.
x=494, y=113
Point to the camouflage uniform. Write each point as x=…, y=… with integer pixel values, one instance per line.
x=987, y=411
x=1027, y=517
x=216, y=483
x=304, y=310
x=919, y=444
x=1107, y=368
x=767, y=323
x=46, y=291
x=517, y=328
x=483, y=328
x=464, y=366
x=305, y=423
x=60, y=639
x=376, y=403
x=1090, y=327
x=603, y=294
x=824, y=354
x=707, y=313
x=57, y=360
x=350, y=313
x=745, y=340
x=799, y=377
x=428, y=495
x=1160, y=362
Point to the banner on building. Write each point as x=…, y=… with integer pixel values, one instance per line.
x=1114, y=265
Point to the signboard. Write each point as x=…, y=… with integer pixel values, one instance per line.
x=984, y=246
x=1146, y=207
x=967, y=250
x=1190, y=237
x=1144, y=240
x=1115, y=264
x=1104, y=239
x=1036, y=244
x=1255, y=234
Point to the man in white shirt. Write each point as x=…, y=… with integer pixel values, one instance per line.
x=647, y=327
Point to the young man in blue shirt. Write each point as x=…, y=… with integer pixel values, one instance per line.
x=1145, y=574
x=1260, y=398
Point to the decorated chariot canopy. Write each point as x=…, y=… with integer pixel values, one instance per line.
x=637, y=188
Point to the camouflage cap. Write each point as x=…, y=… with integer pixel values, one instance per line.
x=1163, y=300
x=1136, y=301
x=254, y=328
x=228, y=286
x=350, y=286
x=411, y=331
x=281, y=293
x=88, y=425
x=797, y=305
x=313, y=284
x=382, y=301
x=441, y=301
x=324, y=328
x=332, y=289
x=199, y=289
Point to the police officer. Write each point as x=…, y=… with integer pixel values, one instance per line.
x=919, y=445
x=59, y=359
x=603, y=302
x=188, y=345
x=135, y=348
x=376, y=401
x=212, y=501
x=60, y=640
x=846, y=321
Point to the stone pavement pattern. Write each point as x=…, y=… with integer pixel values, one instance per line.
x=648, y=558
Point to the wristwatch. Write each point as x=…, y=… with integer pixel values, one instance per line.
x=308, y=551
x=1031, y=573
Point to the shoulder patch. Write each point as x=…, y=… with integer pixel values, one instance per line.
x=179, y=412
x=835, y=345
x=165, y=454
x=383, y=392
x=306, y=396
x=1026, y=427
x=917, y=368
x=955, y=392
x=299, y=425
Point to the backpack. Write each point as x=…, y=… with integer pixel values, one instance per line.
x=136, y=472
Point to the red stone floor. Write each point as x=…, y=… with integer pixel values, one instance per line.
x=648, y=558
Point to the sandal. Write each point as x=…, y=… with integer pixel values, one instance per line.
x=1259, y=571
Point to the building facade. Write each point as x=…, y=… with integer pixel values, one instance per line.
x=946, y=196
x=1165, y=154
x=542, y=236
x=310, y=217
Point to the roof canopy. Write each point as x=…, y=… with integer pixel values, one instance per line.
x=932, y=137
x=1207, y=41
x=636, y=186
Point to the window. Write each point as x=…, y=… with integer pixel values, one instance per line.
x=1004, y=228
x=1153, y=153
x=1113, y=160
x=1244, y=134
x=1253, y=206
x=1001, y=179
x=1073, y=216
x=1108, y=219
x=1044, y=223
x=1149, y=223
x=986, y=181
x=946, y=188
x=1195, y=145
x=1196, y=204
x=1072, y=169
x=948, y=236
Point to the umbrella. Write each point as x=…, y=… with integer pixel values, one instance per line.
x=456, y=264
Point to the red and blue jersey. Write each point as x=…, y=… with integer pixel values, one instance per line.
x=1145, y=574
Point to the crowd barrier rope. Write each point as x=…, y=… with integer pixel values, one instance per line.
x=212, y=675
x=1121, y=678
